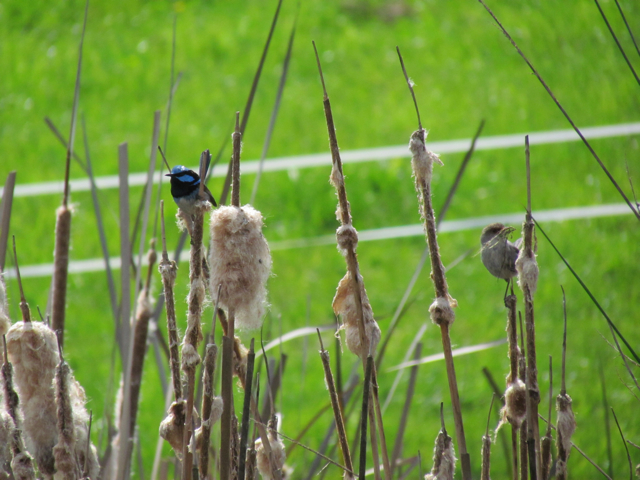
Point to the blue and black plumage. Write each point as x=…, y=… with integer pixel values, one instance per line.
x=185, y=185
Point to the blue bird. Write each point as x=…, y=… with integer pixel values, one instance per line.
x=185, y=185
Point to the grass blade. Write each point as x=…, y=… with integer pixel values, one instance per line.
x=615, y=39
x=564, y=112
x=276, y=109
x=588, y=292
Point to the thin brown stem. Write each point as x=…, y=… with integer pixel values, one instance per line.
x=24, y=306
x=168, y=270
x=227, y=397
x=246, y=411
x=397, y=448
x=335, y=405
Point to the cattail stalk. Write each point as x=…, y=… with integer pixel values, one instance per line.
x=442, y=308
x=444, y=459
x=368, y=332
x=486, y=448
x=246, y=412
x=228, y=339
x=547, y=440
x=143, y=315
x=193, y=333
x=337, y=410
x=363, y=424
x=522, y=375
x=566, y=422
x=510, y=302
x=172, y=427
x=63, y=214
x=210, y=412
x=397, y=449
x=168, y=271
x=22, y=463
x=63, y=452
x=527, y=278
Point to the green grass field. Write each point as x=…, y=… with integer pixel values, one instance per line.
x=464, y=70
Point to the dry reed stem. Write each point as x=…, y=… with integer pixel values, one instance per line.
x=140, y=334
x=193, y=334
x=125, y=436
x=63, y=451
x=246, y=411
x=485, y=473
x=527, y=256
x=344, y=214
x=378, y=416
x=397, y=448
x=203, y=435
x=5, y=217
x=337, y=410
x=522, y=375
x=514, y=355
x=442, y=309
x=227, y=398
x=547, y=440
x=347, y=239
x=168, y=271
x=363, y=418
x=252, y=467
x=22, y=463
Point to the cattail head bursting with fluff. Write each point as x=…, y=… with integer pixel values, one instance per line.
x=279, y=456
x=444, y=458
x=515, y=408
x=344, y=304
x=240, y=261
x=421, y=158
x=33, y=350
x=527, y=268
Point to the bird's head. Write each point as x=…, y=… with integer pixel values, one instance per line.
x=175, y=171
x=495, y=229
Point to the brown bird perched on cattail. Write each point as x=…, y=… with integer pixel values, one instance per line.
x=498, y=253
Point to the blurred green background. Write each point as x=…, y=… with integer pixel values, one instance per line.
x=464, y=70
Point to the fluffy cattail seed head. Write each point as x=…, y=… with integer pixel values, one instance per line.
x=279, y=456
x=422, y=159
x=515, y=408
x=240, y=261
x=347, y=237
x=33, y=350
x=344, y=304
x=441, y=310
x=444, y=458
x=566, y=426
x=527, y=268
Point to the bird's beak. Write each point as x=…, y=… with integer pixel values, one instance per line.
x=168, y=175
